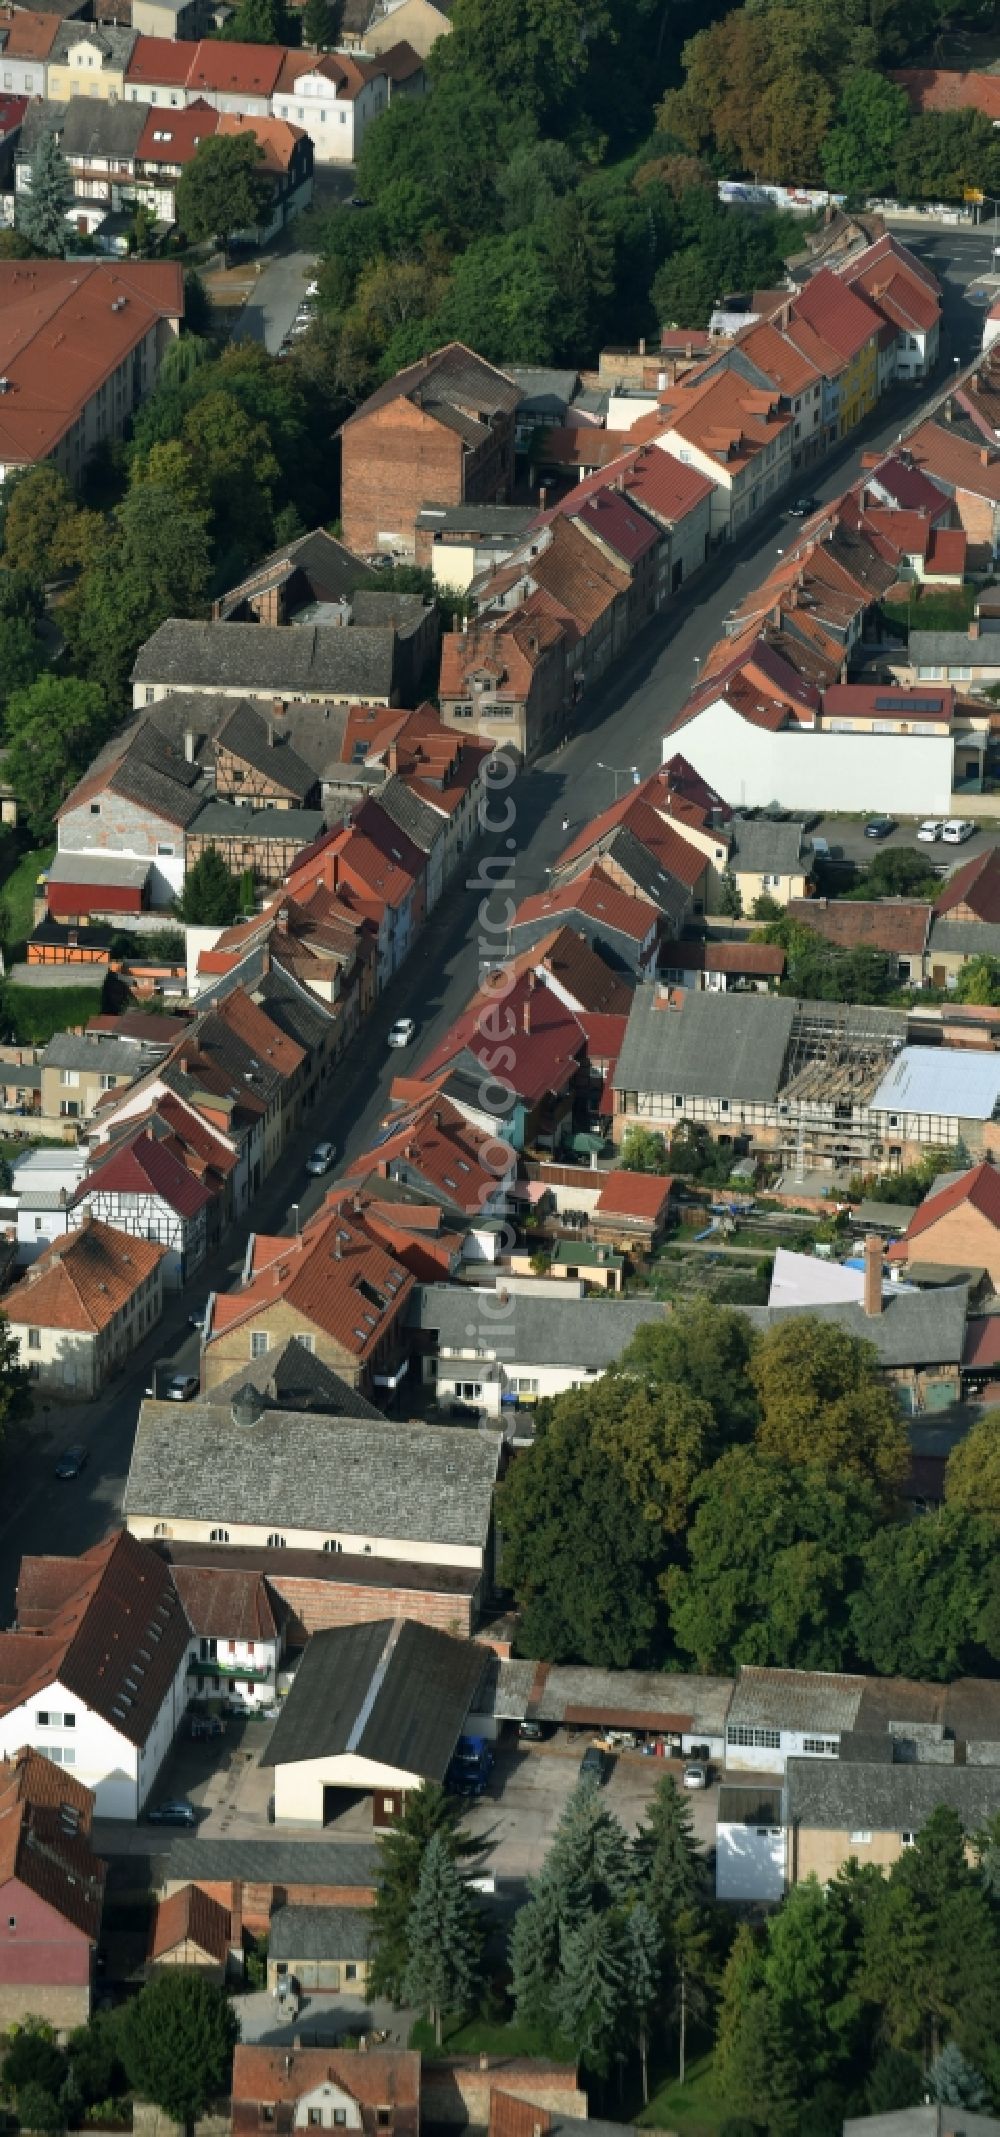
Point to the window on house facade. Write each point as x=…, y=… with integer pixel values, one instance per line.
x=34, y=1339
x=331, y=1544
x=259, y=1341
x=824, y=1747
x=861, y=1839
x=219, y=1536
x=753, y=1739
x=47, y=1718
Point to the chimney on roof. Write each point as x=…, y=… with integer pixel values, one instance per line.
x=408, y=1150
x=236, y=1918
x=873, y=1275
x=184, y=1065
x=437, y=1117
x=974, y=627
x=543, y=495
x=282, y=920
x=949, y=410
x=526, y=1012
x=392, y=756
x=985, y=455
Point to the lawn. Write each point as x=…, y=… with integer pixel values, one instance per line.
x=482, y=2036
x=18, y=894
x=694, y=2109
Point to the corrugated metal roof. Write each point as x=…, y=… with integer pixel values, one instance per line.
x=941, y=1079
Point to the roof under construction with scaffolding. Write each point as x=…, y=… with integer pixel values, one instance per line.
x=757, y=1048
x=839, y=1052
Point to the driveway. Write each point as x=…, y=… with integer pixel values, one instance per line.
x=275, y=299
x=530, y=1787
x=323, y=2017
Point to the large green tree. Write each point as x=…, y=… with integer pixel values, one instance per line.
x=443, y=1938
x=823, y=1404
x=156, y=565
x=45, y=531
x=42, y=208
x=428, y=1815
x=582, y=1559
x=212, y=893
x=177, y=2041
x=927, y=1601
x=774, y=1553
x=569, y=1944
x=222, y=189
x=53, y=727
x=872, y=116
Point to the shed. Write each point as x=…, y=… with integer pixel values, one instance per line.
x=191, y=1929
x=319, y=1948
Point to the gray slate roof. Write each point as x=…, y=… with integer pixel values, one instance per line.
x=106, y=1056
x=751, y=1805
x=225, y=819
x=98, y=868
x=273, y=1861
x=666, y=892
x=319, y=1933
x=393, y=1691
x=421, y=1483
x=714, y=1045
x=795, y=1699
x=293, y=1378
x=766, y=848
x=953, y=649
x=262, y=743
x=421, y=823
x=914, y=1328
x=968, y=938
x=85, y=125
x=292, y=660
x=591, y=1333
x=115, y=44
x=848, y=1796
x=493, y=522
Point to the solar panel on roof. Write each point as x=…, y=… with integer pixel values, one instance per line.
x=909, y=704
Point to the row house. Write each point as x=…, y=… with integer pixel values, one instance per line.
x=93, y=1677
x=432, y=1147
x=380, y=871
x=431, y=781
x=507, y=679
x=525, y=1054
x=100, y=333
x=87, y=1301
x=88, y=59
x=563, y=572
x=843, y=319
x=624, y=926
x=317, y=946
x=907, y=296
x=125, y=156
x=26, y=40
x=332, y=97
x=144, y=1190
x=441, y=431
x=335, y=1287
x=737, y=434
x=51, y=1892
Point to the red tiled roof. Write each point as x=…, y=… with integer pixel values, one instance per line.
x=277, y=139
x=116, y=1641
x=608, y=515
x=571, y=960
x=982, y=1343
x=898, y=925
x=46, y=1850
x=544, y=1044
x=160, y=62
x=765, y=960
x=948, y=89
x=977, y=885
x=172, y=136
x=978, y=1189
x=220, y=1603
x=65, y=326
x=634, y=1194
x=946, y=551
x=957, y=462
x=251, y=70
x=282, y=2075
x=28, y=35
x=81, y=1281
x=440, y=1147
x=596, y=896
x=636, y=811
x=144, y=1167
x=836, y=313
x=893, y=700
x=191, y=1916
x=334, y=1274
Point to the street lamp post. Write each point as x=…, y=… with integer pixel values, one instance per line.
x=622, y=771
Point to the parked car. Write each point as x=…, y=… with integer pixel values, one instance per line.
x=695, y=1776
x=957, y=830
x=930, y=830
x=202, y=1725
x=198, y=1317
x=532, y=1732
x=596, y=1765
x=70, y=1464
x=879, y=826
x=321, y=1159
x=175, y=1810
x=821, y=849
x=180, y=1387
x=402, y=1031
x=801, y=507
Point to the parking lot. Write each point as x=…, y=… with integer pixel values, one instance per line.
x=847, y=833
x=514, y=1820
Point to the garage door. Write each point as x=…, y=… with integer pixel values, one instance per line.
x=318, y=1974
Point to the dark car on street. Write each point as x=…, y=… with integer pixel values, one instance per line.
x=880, y=826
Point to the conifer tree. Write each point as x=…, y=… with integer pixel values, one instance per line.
x=41, y=211
x=443, y=1939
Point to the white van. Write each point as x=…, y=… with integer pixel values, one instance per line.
x=957, y=830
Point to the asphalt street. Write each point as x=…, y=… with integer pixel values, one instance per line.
x=271, y=307
x=620, y=726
